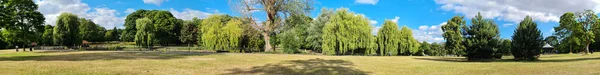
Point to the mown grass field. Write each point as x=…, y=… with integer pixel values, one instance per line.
x=206, y=63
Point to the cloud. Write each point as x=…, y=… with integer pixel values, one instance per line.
x=507, y=25
x=372, y=22
x=188, y=14
x=375, y=30
x=372, y=2
x=516, y=10
x=430, y=34
x=102, y=16
x=395, y=19
x=129, y=10
x=155, y=2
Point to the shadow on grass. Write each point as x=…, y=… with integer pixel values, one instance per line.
x=112, y=55
x=506, y=60
x=302, y=67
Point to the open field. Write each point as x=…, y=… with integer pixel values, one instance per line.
x=206, y=63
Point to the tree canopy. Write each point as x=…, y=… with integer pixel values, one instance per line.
x=388, y=38
x=66, y=31
x=527, y=40
x=347, y=33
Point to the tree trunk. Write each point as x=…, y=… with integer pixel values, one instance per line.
x=587, y=47
x=266, y=37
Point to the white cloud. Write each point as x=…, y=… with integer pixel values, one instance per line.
x=102, y=16
x=395, y=19
x=516, y=10
x=372, y=22
x=372, y=2
x=375, y=30
x=430, y=34
x=188, y=14
x=155, y=2
x=507, y=25
x=129, y=10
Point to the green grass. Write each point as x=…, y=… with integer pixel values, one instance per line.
x=206, y=63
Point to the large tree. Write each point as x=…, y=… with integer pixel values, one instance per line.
x=146, y=34
x=47, y=36
x=408, y=44
x=482, y=38
x=587, y=20
x=315, y=30
x=347, y=33
x=294, y=33
x=66, y=31
x=90, y=31
x=453, y=35
x=274, y=10
x=167, y=26
x=20, y=21
x=189, y=31
x=221, y=32
x=388, y=38
x=527, y=40
x=565, y=32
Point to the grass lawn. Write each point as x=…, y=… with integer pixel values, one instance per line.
x=203, y=63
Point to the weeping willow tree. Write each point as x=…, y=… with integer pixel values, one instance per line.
x=347, y=33
x=220, y=32
x=388, y=38
x=145, y=36
x=408, y=44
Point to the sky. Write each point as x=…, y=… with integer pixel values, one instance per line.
x=424, y=17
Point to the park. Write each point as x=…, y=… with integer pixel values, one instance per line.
x=298, y=37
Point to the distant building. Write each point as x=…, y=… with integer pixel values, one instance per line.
x=547, y=49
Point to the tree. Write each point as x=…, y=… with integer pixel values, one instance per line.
x=145, y=35
x=347, y=33
x=129, y=32
x=565, y=32
x=20, y=21
x=294, y=33
x=388, y=38
x=426, y=49
x=189, y=32
x=438, y=49
x=481, y=39
x=89, y=31
x=527, y=40
x=112, y=35
x=272, y=8
x=166, y=25
x=221, y=32
x=315, y=30
x=587, y=20
x=551, y=40
x=408, y=44
x=505, y=48
x=47, y=35
x=453, y=35
x=66, y=31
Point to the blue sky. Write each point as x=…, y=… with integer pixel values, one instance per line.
x=424, y=17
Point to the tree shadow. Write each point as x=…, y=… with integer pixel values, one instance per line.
x=302, y=67
x=112, y=55
x=444, y=59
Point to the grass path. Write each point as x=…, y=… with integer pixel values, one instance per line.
x=166, y=63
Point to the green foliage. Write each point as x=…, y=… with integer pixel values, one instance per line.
x=89, y=31
x=315, y=30
x=408, y=44
x=66, y=31
x=453, y=35
x=220, y=32
x=251, y=40
x=47, y=35
x=505, y=47
x=482, y=39
x=347, y=33
x=577, y=31
x=388, y=38
x=425, y=49
x=189, y=31
x=146, y=34
x=527, y=40
x=20, y=21
x=294, y=33
x=112, y=35
x=167, y=26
